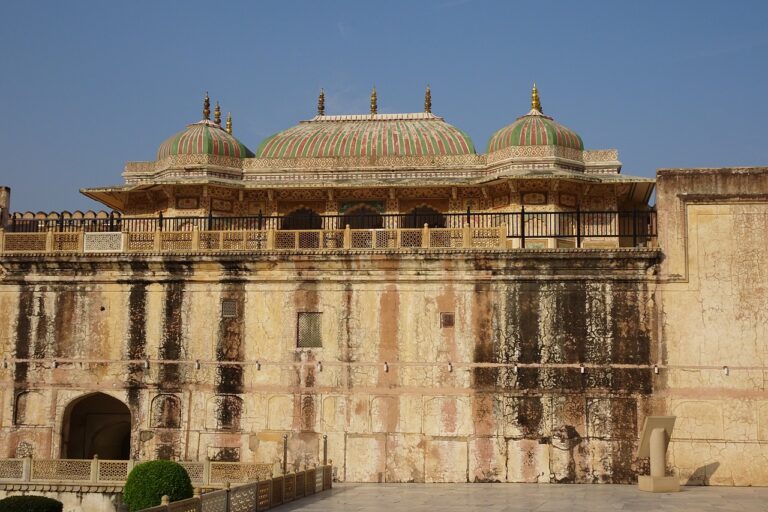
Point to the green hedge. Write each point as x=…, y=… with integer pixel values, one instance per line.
x=30, y=504
x=148, y=482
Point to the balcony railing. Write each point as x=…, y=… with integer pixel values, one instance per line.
x=209, y=474
x=118, y=234
x=255, y=486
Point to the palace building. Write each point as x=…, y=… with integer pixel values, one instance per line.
x=440, y=313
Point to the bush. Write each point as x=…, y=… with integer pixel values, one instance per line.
x=30, y=504
x=148, y=482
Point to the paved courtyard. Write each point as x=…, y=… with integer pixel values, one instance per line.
x=528, y=497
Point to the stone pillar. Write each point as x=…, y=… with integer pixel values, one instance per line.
x=658, y=452
x=5, y=206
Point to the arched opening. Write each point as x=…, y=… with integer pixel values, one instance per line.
x=417, y=217
x=303, y=218
x=362, y=217
x=96, y=424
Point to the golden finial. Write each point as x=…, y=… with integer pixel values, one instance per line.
x=206, y=107
x=217, y=114
x=374, y=102
x=229, y=123
x=428, y=101
x=321, y=103
x=535, y=101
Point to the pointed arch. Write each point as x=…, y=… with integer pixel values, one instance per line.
x=417, y=217
x=96, y=424
x=362, y=216
x=301, y=219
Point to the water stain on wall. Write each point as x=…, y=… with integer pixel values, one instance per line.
x=171, y=342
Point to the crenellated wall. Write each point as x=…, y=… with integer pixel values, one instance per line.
x=403, y=393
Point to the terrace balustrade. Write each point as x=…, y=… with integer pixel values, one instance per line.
x=117, y=234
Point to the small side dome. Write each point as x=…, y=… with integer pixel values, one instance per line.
x=205, y=137
x=535, y=129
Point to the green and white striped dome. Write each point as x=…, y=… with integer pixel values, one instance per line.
x=535, y=129
x=375, y=135
x=203, y=138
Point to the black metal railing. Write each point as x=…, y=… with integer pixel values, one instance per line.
x=635, y=227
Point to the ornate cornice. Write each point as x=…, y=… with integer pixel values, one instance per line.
x=513, y=161
x=372, y=162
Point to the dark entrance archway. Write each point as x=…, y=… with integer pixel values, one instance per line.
x=303, y=218
x=362, y=217
x=417, y=217
x=96, y=424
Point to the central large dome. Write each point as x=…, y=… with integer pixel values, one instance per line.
x=375, y=135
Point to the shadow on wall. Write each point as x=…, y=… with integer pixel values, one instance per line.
x=702, y=474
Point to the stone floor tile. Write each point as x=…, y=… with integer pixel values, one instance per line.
x=528, y=498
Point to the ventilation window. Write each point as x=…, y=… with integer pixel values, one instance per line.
x=447, y=320
x=308, y=330
x=228, y=308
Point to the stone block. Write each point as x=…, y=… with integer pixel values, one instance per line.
x=447, y=416
x=366, y=458
x=697, y=419
x=385, y=413
x=527, y=461
x=446, y=460
x=487, y=459
x=405, y=458
x=658, y=483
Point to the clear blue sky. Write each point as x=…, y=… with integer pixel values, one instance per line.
x=88, y=85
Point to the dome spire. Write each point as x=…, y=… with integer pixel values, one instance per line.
x=217, y=114
x=321, y=103
x=535, y=101
x=374, y=101
x=428, y=100
x=229, y=123
x=206, y=107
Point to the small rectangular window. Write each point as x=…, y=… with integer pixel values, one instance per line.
x=228, y=308
x=308, y=330
x=446, y=320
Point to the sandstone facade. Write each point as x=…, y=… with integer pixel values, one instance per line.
x=349, y=295
x=713, y=322
x=400, y=397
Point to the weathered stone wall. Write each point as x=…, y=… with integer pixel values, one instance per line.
x=400, y=397
x=713, y=294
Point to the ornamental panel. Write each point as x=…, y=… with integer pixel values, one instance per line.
x=215, y=501
x=61, y=469
x=11, y=469
x=195, y=470
x=24, y=242
x=188, y=505
x=113, y=470
x=243, y=498
x=263, y=493
x=102, y=242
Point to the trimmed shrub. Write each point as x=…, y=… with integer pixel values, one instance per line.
x=148, y=482
x=30, y=504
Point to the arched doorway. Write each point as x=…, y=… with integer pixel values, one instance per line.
x=362, y=217
x=301, y=219
x=96, y=424
x=417, y=217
